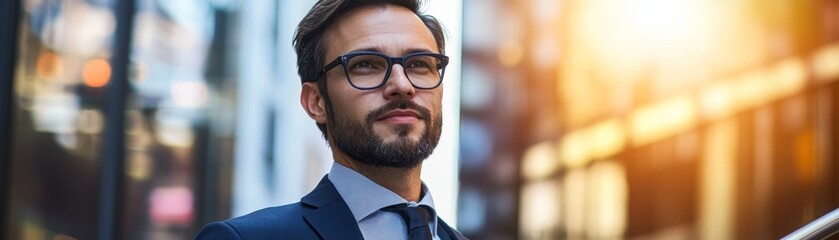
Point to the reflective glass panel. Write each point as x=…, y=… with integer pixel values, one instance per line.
x=62, y=68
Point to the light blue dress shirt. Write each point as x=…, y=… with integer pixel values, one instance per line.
x=366, y=200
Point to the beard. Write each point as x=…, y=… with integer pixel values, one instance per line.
x=358, y=141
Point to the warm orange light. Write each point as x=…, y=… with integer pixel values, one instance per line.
x=598, y=141
x=717, y=187
x=663, y=119
x=541, y=208
x=661, y=21
x=826, y=63
x=716, y=101
x=606, y=197
x=540, y=161
x=96, y=73
x=510, y=53
x=48, y=65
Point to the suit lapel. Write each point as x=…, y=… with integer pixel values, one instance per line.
x=448, y=232
x=442, y=231
x=331, y=217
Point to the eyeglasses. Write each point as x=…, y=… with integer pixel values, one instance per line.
x=370, y=70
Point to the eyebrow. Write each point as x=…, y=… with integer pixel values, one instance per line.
x=380, y=50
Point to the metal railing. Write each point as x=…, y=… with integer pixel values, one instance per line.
x=820, y=228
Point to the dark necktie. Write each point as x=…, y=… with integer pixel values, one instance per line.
x=416, y=218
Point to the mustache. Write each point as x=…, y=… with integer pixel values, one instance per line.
x=424, y=113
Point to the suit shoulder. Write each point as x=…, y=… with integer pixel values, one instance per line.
x=286, y=220
x=272, y=217
x=282, y=213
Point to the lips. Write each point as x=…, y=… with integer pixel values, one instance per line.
x=401, y=111
x=400, y=116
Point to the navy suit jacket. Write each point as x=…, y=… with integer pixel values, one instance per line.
x=322, y=214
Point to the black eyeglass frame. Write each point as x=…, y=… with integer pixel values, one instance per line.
x=343, y=60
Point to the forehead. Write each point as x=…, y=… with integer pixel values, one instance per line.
x=392, y=30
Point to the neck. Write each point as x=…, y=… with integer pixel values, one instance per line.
x=405, y=182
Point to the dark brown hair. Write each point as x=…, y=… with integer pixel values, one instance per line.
x=309, y=37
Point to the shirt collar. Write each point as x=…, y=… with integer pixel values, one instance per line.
x=365, y=197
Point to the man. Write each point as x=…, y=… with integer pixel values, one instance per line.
x=371, y=73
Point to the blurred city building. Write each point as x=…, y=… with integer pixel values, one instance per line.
x=648, y=119
x=176, y=124
x=565, y=119
x=147, y=119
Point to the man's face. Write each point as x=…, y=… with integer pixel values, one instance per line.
x=395, y=125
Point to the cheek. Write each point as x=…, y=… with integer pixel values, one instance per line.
x=436, y=103
x=343, y=104
x=352, y=108
x=346, y=110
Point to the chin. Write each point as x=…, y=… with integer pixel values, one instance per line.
x=401, y=131
x=391, y=138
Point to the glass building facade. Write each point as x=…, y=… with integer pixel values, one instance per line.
x=81, y=165
x=148, y=119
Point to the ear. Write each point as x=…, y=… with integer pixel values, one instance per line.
x=312, y=102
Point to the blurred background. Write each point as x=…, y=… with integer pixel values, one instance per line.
x=564, y=119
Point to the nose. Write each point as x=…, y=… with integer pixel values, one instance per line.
x=398, y=84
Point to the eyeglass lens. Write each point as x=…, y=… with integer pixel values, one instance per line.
x=370, y=70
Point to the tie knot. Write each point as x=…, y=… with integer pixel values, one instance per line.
x=416, y=219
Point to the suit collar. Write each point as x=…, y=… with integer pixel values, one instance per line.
x=331, y=217
x=365, y=197
x=323, y=194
